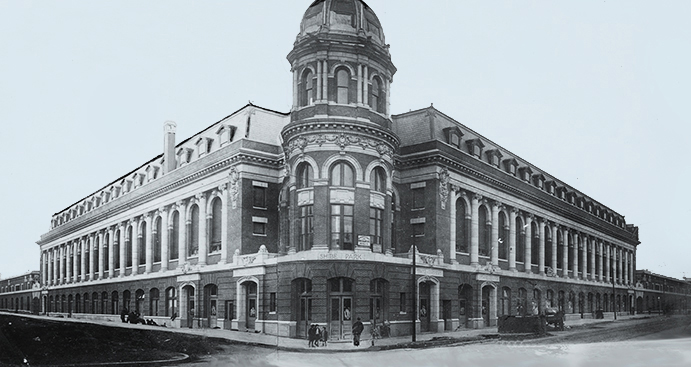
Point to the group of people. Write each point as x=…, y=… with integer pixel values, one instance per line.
x=317, y=336
x=133, y=317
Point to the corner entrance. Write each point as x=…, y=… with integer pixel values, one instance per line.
x=340, y=308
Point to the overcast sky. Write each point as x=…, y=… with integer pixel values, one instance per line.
x=595, y=93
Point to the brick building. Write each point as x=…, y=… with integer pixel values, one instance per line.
x=21, y=293
x=272, y=221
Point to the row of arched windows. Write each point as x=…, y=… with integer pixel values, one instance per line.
x=345, y=92
x=113, y=304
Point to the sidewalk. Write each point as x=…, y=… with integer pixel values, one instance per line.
x=290, y=344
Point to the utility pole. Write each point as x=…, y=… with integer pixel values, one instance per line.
x=414, y=313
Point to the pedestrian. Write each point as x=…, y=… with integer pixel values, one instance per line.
x=317, y=335
x=357, y=330
x=310, y=336
x=325, y=336
x=123, y=314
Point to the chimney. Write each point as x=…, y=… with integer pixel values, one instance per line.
x=169, y=146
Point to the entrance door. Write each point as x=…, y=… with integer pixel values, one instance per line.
x=424, y=306
x=251, y=314
x=304, y=316
x=190, y=306
x=446, y=308
x=486, y=305
x=341, y=317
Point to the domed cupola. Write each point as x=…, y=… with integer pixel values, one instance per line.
x=341, y=64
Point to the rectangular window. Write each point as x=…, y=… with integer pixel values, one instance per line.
x=259, y=228
x=418, y=198
x=375, y=226
x=418, y=229
x=259, y=196
x=272, y=302
x=402, y=303
x=306, y=227
x=342, y=226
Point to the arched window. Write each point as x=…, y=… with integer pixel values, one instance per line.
x=193, y=232
x=550, y=298
x=342, y=175
x=77, y=303
x=158, y=232
x=216, y=226
x=305, y=175
x=342, y=226
x=126, y=300
x=520, y=240
x=153, y=302
x=484, y=231
x=503, y=238
x=307, y=89
x=106, y=253
x=342, y=82
x=560, y=250
x=94, y=302
x=548, y=248
x=378, y=95
x=506, y=301
x=97, y=244
x=173, y=235
x=462, y=225
x=116, y=250
x=378, y=180
x=115, y=303
x=86, y=302
x=142, y=243
x=138, y=300
x=104, y=302
x=522, y=302
x=128, y=247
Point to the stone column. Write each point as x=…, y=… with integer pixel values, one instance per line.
x=134, y=241
x=565, y=252
x=325, y=82
x=541, y=250
x=148, y=243
x=584, y=256
x=626, y=267
x=615, y=265
x=452, y=227
x=111, y=255
x=68, y=266
x=203, y=245
x=53, y=267
x=359, y=84
x=554, y=247
x=74, y=245
x=592, y=259
x=296, y=79
x=60, y=266
x=123, y=250
x=91, y=257
x=620, y=267
x=632, y=271
x=474, y=235
x=163, y=212
x=318, y=89
x=606, y=255
x=528, y=243
x=601, y=249
x=494, y=246
x=182, y=236
x=82, y=246
x=512, y=238
x=574, y=254
x=44, y=269
x=365, y=87
x=101, y=255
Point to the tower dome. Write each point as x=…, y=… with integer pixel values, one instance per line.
x=342, y=16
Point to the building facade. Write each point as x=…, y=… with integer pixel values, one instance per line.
x=272, y=221
x=21, y=293
x=657, y=293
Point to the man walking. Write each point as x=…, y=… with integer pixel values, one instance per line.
x=357, y=330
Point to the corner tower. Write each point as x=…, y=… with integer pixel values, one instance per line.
x=339, y=145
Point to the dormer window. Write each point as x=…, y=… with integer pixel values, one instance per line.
x=453, y=136
x=550, y=186
x=571, y=197
x=494, y=157
x=539, y=181
x=184, y=156
x=226, y=133
x=561, y=192
x=524, y=173
x=475, y=147
x=203, y=146
x=151, y=173
x=511, y=166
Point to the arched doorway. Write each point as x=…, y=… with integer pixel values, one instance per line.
x=489, y=304
x=465, y=301
x=424, y=305
x=248, y=303
x=639, y=304
x=340, y=306
x=302, y=300
x=187, y=304
x=139, y=301
x=210, y=305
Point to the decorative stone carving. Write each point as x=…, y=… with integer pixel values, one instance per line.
x=234, y=189
x=343, y=140
x=444, y=187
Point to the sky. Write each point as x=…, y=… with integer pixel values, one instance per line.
x=594, y=93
